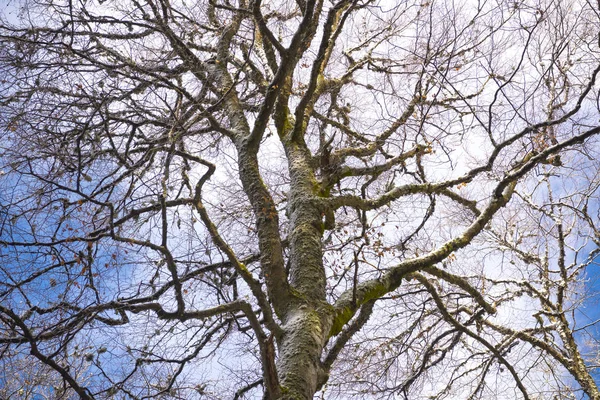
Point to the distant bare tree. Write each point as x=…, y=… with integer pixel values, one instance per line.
x=352, y=198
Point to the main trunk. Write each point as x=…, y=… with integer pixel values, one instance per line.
x=299, y=363
x=308, y=319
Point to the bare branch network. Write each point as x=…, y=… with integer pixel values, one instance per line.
x=343, y=199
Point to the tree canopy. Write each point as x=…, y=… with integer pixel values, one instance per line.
x=288, y=199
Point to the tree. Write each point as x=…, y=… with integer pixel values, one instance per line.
x=358, y=197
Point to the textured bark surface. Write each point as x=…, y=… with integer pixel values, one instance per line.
x=300, y=350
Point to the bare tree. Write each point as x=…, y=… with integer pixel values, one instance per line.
x=377, y=199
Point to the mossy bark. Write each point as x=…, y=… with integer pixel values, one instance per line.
x=299, y=365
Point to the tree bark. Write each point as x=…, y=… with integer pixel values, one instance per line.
x=305, y=331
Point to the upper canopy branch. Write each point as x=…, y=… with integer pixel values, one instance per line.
x=332, y=28
x=254, y=285
x=349, y=301
x=346, y=171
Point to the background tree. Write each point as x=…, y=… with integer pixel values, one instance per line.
x=363, y=198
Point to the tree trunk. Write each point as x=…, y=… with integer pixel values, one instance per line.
x=300, y=349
